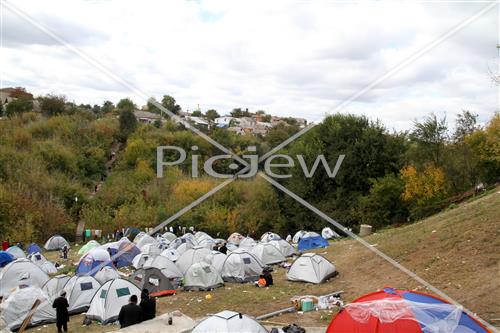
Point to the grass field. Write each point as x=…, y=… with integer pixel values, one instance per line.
x=457, y=251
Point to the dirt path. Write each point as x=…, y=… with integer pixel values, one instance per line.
x=115, y=148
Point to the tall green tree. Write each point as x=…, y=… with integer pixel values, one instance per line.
x=52, y=105
x=170, y=104
x=212, y=114
x=128, y=123
x=430, y=137
x=126, y=104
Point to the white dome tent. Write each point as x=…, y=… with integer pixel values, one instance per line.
x=284, y=247
x=267, y=254
x=38, y=259
x=235, y=238
x=298, y=235
x=229, y=322
x=166, y=266
x=140, y=259
x=171, y=254
x=191, y=256
x=79, y=291
x=216, y=259
x=269, y=236
x=328, y=233
x=312, y=268
x=16, y=307
x=21, y=271
x=241, y=266
x=202, y=276
x=247, y=243
x=169, y=236
x=54, y=286
x=56, y=242
x=105, y=274
x=109, y=299
x=16, y=252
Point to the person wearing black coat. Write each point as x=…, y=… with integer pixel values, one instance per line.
x=130, y=314
x=62, y=317
x=148, y=305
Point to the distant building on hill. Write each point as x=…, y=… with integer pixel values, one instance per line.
x=147, y=117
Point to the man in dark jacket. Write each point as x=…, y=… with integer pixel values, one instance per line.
x=148, y=305
x=131, y=313
x=62, y=317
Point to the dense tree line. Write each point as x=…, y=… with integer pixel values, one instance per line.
x=49, y=158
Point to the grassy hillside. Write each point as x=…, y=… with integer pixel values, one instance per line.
x=456, y=251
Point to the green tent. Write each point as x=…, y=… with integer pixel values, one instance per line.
x=89, y=246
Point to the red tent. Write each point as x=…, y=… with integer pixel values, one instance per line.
x=402, y=311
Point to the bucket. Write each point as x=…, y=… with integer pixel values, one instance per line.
x=307, y=304
x=88, y=233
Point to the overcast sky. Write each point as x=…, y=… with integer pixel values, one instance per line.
x=293, y=58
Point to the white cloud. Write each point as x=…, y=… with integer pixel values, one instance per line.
x=288, y=58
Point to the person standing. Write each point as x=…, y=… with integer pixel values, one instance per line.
x=148, y=305
x=130, y=314
x=62, y=317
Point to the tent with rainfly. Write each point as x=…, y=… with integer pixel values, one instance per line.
x=267, y=254
x=191, y=256
x=105, y=274
x=403, y=311
x=21, y=271
x=125, y=253
x=92, y=244
x=229, y=321
x=166, y=266
x=216, y=259
x=54, y=286
x=153, y=280
x=16, y=307
x=312, y=268
x=79, y=291
x=5, y=258
x=56, y=242
x=241, y=266
x=33, y=248
x=16, y=252
x=284, y=247
x=109, y=299
x=202, y=276
x=89, y=264
x=313, y=242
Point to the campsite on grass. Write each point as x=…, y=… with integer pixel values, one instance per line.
x=311, y=287
x=220, y=166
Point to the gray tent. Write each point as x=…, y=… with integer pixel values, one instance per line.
x=19, y=303
x=153, y=280
x=21, y=272
x=311, y=267
x=202, y=276
x=105, y=274
x=267, y=254
x=54, y=286
x=56, y=242
x=191, y=256
x=79, y=291
x=241, y=266
x=229, y=322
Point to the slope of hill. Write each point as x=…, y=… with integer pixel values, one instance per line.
x=456, y=251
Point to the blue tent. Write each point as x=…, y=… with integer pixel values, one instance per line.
x=34, y=248
x=5, y=258
x=127, y=253
x=89, y=263
x=310, y=243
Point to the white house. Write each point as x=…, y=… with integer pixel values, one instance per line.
x=223, y=121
